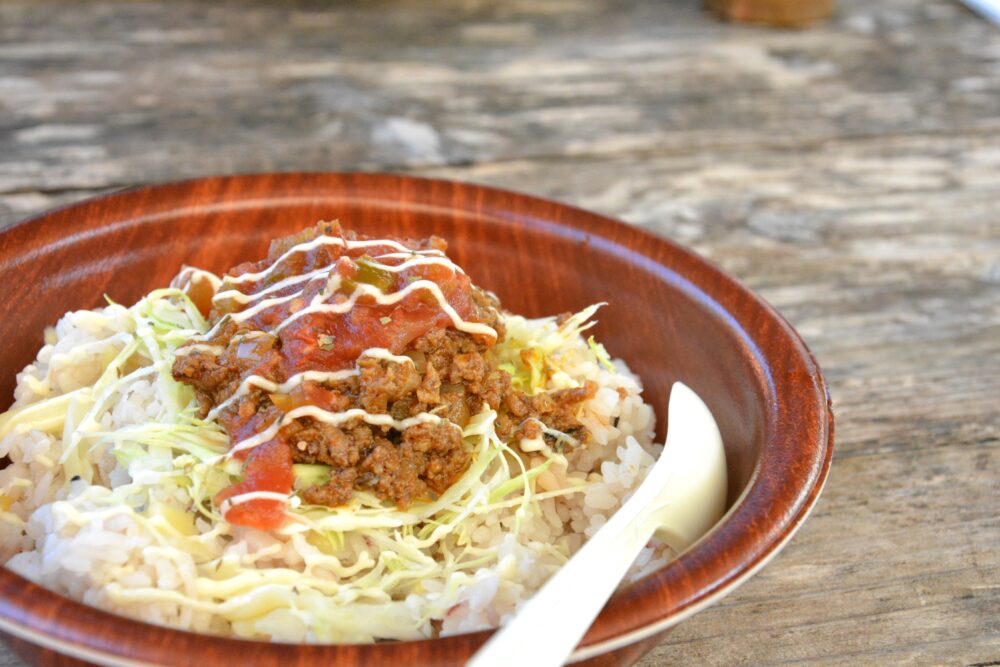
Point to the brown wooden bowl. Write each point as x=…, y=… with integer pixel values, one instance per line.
x=672, y=316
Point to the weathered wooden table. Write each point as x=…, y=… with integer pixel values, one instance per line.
x=850, y=174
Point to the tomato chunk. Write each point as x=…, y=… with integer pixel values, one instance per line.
x=268, y=468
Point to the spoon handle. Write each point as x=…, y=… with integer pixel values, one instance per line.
x=550, y=625
x=547, y=628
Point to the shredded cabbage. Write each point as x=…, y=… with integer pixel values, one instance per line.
x=361, y=564
x=533, y=350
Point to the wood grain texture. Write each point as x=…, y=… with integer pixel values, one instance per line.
x=893, y=282
x=109, y=94
x=848, y=173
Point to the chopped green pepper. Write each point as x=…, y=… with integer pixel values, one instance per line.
x=372, y=273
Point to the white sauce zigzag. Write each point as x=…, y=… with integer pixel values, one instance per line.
x=194, y=275
x=242, y=297
x=417, y=258
x=328, y=240
x=335, y=419
x=305, y=376
x=318, y=305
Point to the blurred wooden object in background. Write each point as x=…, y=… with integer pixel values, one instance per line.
x=784, y=13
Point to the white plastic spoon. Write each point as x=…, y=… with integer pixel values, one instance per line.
x=683, y=496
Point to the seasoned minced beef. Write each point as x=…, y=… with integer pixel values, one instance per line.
x=453, y=373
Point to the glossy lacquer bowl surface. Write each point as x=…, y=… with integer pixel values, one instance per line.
x=671, y=316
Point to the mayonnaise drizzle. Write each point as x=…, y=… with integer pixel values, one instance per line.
x=305, y=376
x=188, y=348
x=283, y=388
x=327, y=240
x=208, y=335
x=242, y=297
x=193, y=275
x=418, y=261
x=245, y=315
x=317, y=305
x=253, y=333
x=385, y=355
x=334, y=419
x=229, y=503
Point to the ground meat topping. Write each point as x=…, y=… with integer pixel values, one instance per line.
x=332, y=322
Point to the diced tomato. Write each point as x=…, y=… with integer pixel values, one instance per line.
x=200, y=292
x=268, y=468
x=323, y=339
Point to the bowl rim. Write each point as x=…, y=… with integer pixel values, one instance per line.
x=713, y=579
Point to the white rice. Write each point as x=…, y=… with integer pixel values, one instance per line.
x=75, y=538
